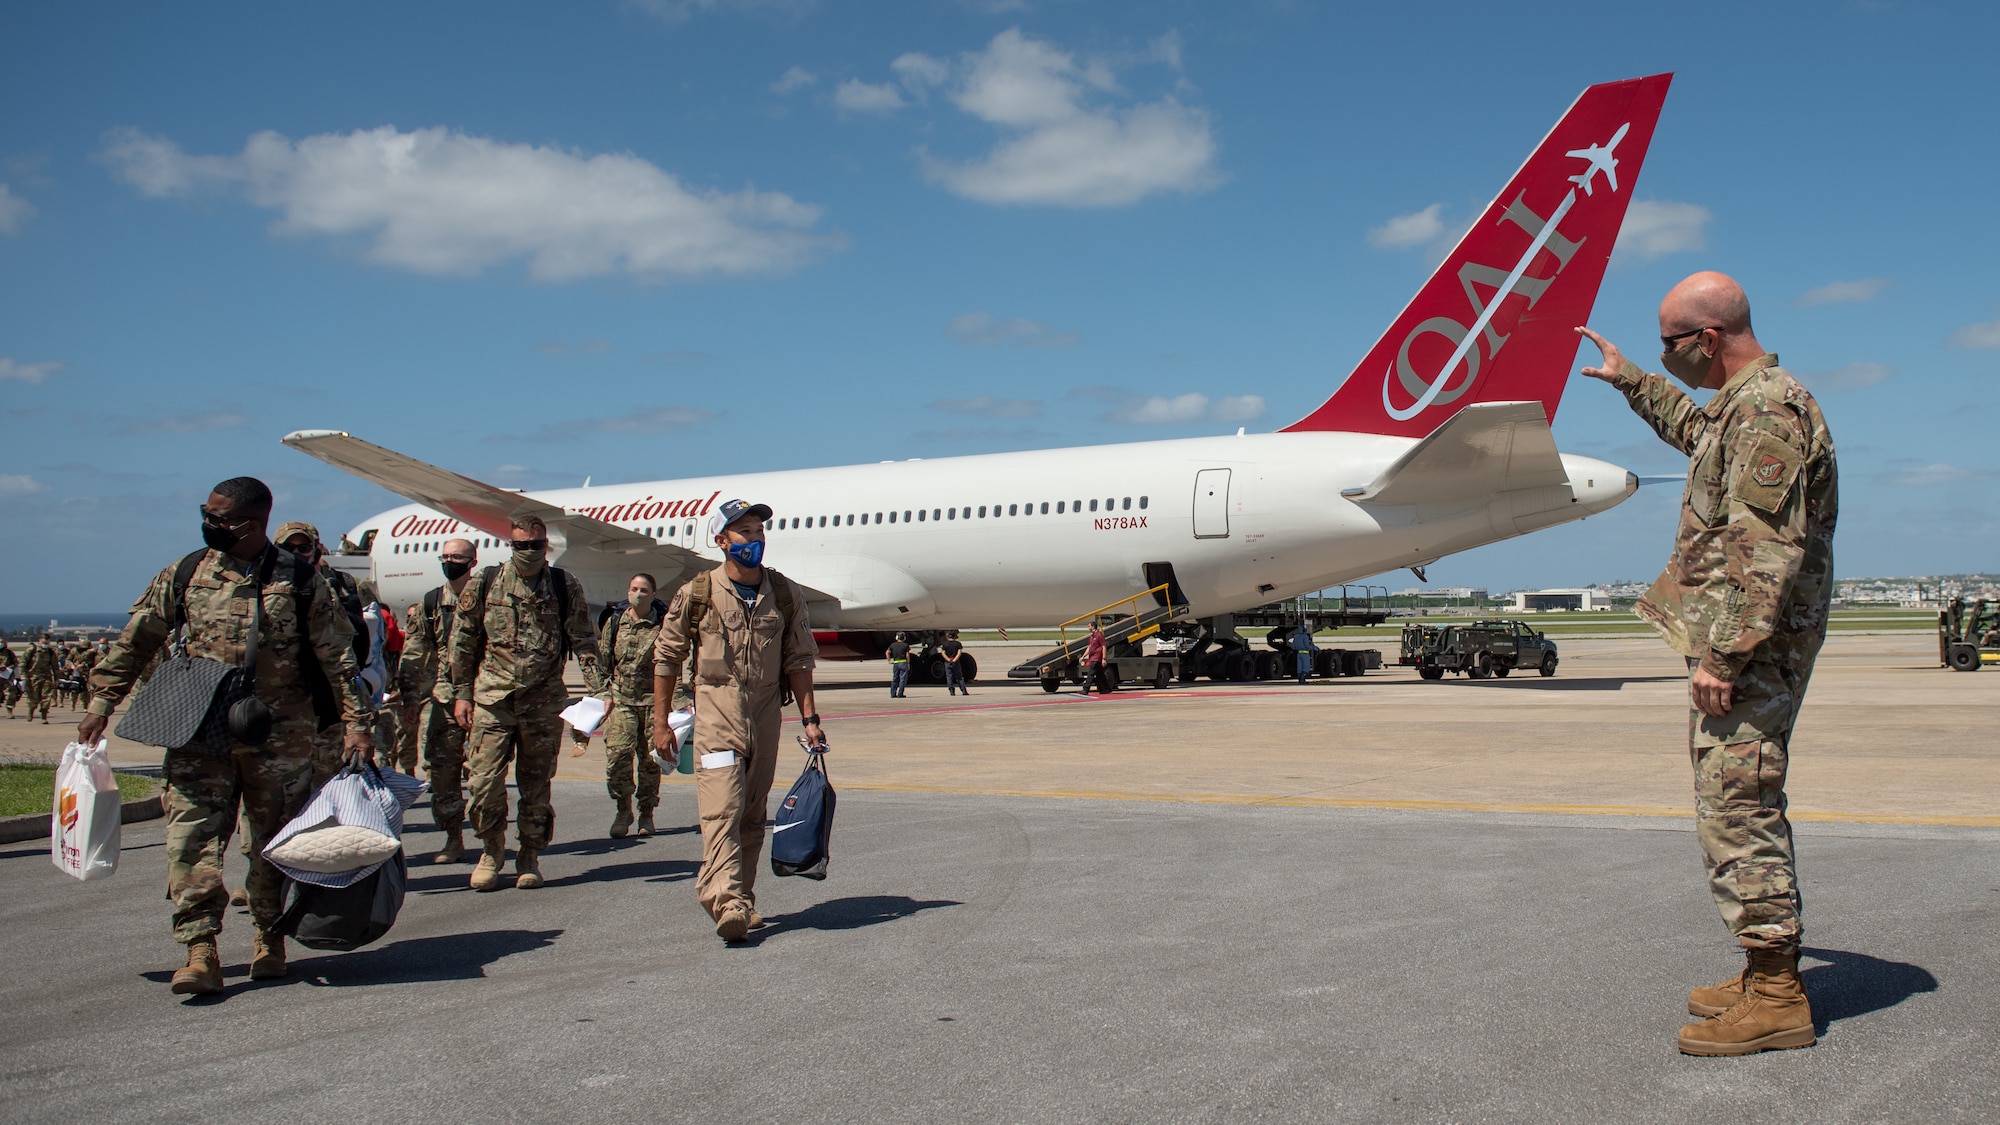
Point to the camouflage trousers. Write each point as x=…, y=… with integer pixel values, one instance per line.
x=530, y=738
x=444, y=759
x=407, y=752
x=13, y=693
x=628, y=744
x=1740, y=762
x=41, y=694
x=389, y=742
x=267, y=785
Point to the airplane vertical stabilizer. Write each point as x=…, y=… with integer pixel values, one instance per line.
x=1493, y=324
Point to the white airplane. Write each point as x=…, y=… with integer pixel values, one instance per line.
x=1376, y=479
x=1601, y=160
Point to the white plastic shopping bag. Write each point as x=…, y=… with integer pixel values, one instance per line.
x=585, y=714
x=85, y=826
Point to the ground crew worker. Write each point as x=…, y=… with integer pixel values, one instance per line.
x=625, y=656
x=302, y=540
x=424, y=684
x=269, y=784
x=517, y=625
x=40, y=670
x=747, y=629
x=899, y=666
x=954, y=672
x=1744, y=598
x=1303, y=649
x=1093, y=660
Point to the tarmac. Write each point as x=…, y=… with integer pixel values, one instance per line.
x=1361, y=900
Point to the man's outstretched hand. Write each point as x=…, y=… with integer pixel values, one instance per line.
x=1614, y=360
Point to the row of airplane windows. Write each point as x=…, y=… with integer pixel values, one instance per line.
x=915, y=515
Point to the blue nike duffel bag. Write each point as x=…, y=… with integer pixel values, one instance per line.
x=804, y=824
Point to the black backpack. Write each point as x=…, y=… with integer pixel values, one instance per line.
x=344, y=918
x=326, y=703
x=803, y=829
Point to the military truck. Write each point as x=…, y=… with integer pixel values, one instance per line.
x=1478, y=650
x=1968, y=636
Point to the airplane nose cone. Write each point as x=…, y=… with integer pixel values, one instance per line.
x=1631, y=482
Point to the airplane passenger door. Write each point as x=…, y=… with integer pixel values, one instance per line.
x=1211, y=504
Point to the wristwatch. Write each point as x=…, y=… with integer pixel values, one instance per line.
x=810, y=721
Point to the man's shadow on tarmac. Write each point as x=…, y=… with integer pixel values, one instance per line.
x=848, y=914
x=441, y=958
x=1855, y=984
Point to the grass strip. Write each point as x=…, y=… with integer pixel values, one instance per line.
x=28, y=789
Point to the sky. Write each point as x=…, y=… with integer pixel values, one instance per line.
x=647, y=239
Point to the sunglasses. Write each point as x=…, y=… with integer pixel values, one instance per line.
x=528, y=544
x=301, y=547
x=210, y=519
x=1670, y=342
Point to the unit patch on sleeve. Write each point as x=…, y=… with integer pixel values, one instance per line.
x=1767, y=475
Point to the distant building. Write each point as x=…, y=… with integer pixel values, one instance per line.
x=1444, y=593
x=1588, y=599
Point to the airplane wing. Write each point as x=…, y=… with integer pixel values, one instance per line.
x=590, y=544
x=1486, y=448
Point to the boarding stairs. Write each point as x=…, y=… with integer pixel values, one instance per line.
x=1127, y=621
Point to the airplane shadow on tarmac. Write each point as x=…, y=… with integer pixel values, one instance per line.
x=1855, y=984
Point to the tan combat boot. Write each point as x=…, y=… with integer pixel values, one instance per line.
x=454, y=847
x=645, y=823
x=203, y=975
x=486, y=876
x=622, y=823
x=1716, y=999
x=527, y=869
x=733, y=922
x=1772, y=1014
x=267, y=956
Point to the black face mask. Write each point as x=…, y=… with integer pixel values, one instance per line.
x=455, y=570
x=219, y=538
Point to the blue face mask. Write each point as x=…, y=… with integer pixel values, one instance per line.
x=748, y=554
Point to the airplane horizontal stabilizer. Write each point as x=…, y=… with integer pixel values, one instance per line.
x=1486, y=448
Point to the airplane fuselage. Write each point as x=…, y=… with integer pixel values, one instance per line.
x=1038, y=537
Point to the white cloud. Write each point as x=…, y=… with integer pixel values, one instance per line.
x=1929, y=475
x=856, y=96
x=1655, y=228
x=13, y=211
x=1843, y=292
x=986, y=406
x=27, y=372
x=438, y=202
x=982, y=329
x=1413, y=229
x=1153, y=410
x=1067, y=148
x=919, y=71
x=1852, y=377
x=1985, y=334
x=794, y=78
x=18, y=484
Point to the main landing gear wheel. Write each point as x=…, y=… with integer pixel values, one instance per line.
x=1549, y=664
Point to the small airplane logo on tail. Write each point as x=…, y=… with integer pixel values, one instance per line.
x=1601, y=160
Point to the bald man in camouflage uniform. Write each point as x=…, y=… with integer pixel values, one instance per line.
x=1744, y=599
x=268, y=784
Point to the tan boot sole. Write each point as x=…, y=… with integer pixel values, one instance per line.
x=485, y=880
x=195, y=984
x=267, y=971
x=527, y=882
x=1786, y=1040
x=733, y=926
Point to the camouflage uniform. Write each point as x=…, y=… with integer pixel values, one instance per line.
x=409, y=748
x=329, y=746
x=86, y=663
x=10, y=685
x=628, y=729
x=40, y=670
x=269, y=783
x=743, y=656
x=419, y=677
x=1745, y=597
x=506, y=658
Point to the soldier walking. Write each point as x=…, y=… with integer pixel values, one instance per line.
x=302, y=540
x=40, y=670
x=746, y=628
x=1744, y=599
x=516, y=627
x=10, y=676
x=424, y=683
x=625, y=651
x=267, y=784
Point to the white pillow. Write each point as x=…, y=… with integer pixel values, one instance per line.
x=334, y=848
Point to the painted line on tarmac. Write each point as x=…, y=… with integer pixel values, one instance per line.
x=1412, y=805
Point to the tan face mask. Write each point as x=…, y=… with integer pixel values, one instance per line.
x=1688, y=363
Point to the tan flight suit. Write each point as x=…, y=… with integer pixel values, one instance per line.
x=743, y=656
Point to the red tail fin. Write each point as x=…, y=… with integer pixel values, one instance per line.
x=1493, y=324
